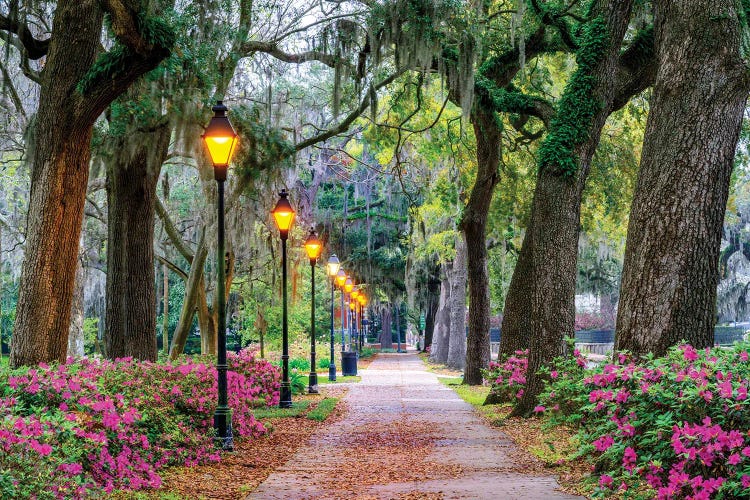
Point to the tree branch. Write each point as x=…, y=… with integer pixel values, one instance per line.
x=174, y=235
x=25, y=42
x=174, y=267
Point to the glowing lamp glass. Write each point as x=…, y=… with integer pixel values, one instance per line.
x=313, y=246
x=340, y=278
x=283, y=213
x=333, y=265
x=220, y=137
x=348, y=285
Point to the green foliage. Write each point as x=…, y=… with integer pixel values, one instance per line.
x=323, y=409
x=677, y=422
x=367, y=353
x=298, y=381
x=270, y=412
x=114, y=62
x=570, y=127
x=323, y=363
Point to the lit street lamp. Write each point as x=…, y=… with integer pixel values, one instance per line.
x=340, y=281
x=348, y=287
x=283, y=215
x=332, y=268
x=313, y=247
x=221, y=140
x=362, y=303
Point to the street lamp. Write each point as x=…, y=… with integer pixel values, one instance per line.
x=313, y=247
x=340, y=281
x=332, y=268
x=348, y=287
x=221, y=140
x=362, y=303
x=283, y=215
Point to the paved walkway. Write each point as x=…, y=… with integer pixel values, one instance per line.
x=405, y=436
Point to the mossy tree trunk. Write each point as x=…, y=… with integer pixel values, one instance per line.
x=60, y=164
x=670, y=271
x=457, y=342
x=474, y=227
x=516, y=326
x=564, y=161
x=132, y=177
x=441, y=333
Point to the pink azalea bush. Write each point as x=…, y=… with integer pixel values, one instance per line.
x=670, y=427
x=507, y=377
x=89, y=427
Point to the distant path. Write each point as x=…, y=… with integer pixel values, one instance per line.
x=406, y=436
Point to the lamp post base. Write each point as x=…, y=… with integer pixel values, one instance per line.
x=285, y=393
x=312, y=385
x=332, y=372
x=224, y=439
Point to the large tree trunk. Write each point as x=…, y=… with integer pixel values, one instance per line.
x=59, y=175
x=565, y=158
x=474, y=228
x=516, y=326
x=131, y=192
x=433, y=298
x=670, y=272
x=75, y=332
x=386, y=333
x=441, y=335
x=457, y=342
x=69, y=104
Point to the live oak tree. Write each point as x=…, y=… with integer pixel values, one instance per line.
x=77, y=83
x=670, y=271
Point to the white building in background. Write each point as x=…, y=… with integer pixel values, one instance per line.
x=588, y=303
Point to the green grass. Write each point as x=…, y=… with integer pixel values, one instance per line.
x=297, y=409
x=324, y=408
x=3, y=360
x=340, y=379
x=472, y=394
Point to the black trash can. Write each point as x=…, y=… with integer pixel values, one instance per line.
x=348, y=363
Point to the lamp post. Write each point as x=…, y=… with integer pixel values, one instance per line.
x=362, y=302
x=221, y=140
x=313, y=247
x=354, y=298
x=332, y=268
x=348, y=287
x=283, y=215
x=340, y=280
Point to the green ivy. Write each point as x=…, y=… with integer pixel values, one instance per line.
x=110, y=64
x=570, y=127
x=502, y=100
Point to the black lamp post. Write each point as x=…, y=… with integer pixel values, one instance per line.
x=332, y=268
x=313, y=247
x=221, y=140
x=283, y=215
x=348, y=287
x=340, y=281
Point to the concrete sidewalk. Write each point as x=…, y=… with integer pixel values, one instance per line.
x=406, y=436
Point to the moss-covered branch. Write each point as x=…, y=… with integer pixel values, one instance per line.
x=578, y=106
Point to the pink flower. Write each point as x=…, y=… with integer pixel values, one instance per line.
x=604, y=442
x=605, y=481
x=539, y=409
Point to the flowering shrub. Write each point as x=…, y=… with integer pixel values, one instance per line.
x=507, y=377
x=591, y=321
x=671, y=427
x=88, y=427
